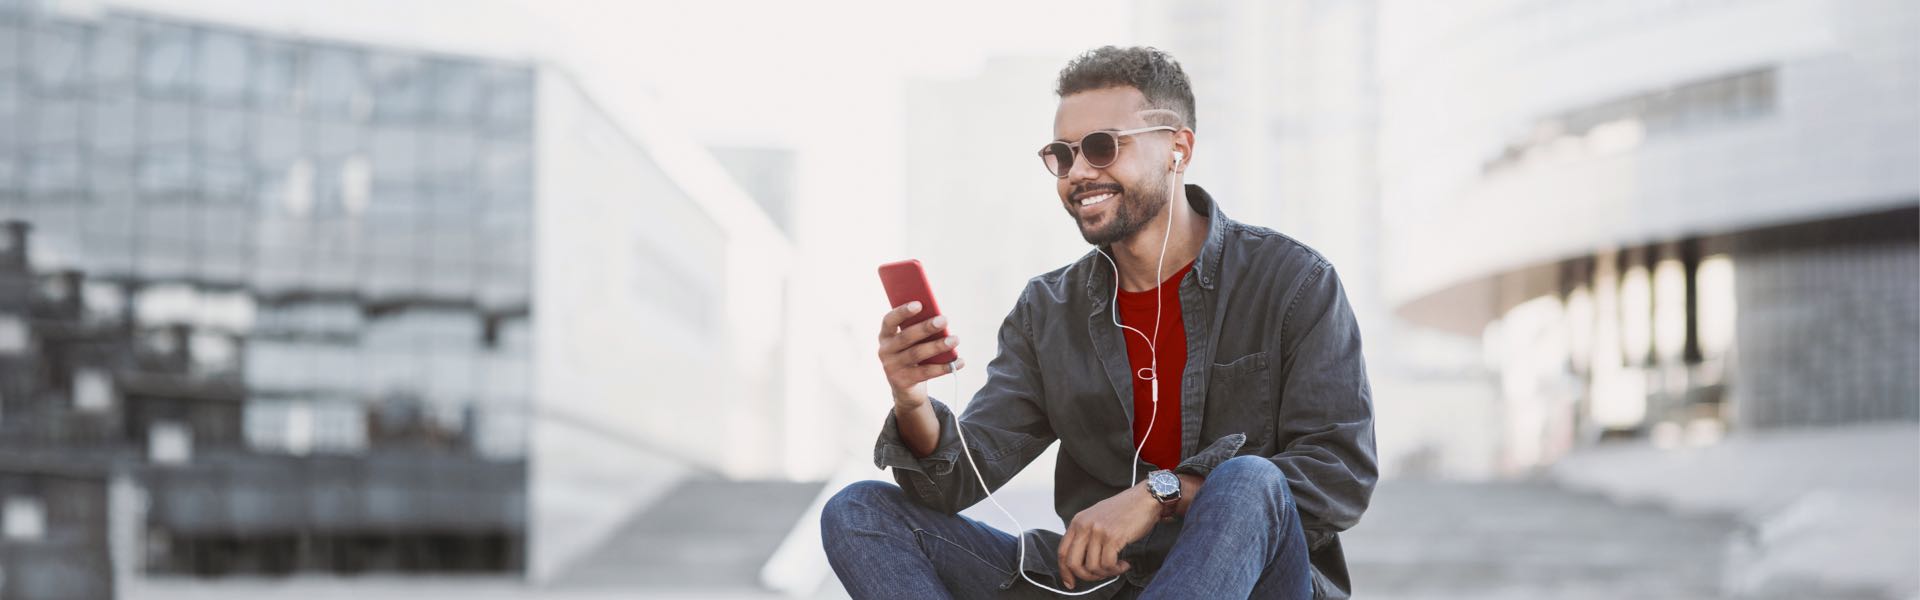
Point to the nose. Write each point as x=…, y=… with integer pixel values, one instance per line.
x=1082, y=170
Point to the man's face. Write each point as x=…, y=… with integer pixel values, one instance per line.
x=1134, y=186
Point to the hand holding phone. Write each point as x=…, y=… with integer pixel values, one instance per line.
x=915, y=345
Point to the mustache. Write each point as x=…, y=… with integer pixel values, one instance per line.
x=1090, y=187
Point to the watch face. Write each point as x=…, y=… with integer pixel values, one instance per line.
x=1163, y=484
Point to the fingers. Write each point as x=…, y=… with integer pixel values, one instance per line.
x=911, y=357
x=1103, y=559
x=1072, y=550
x=925, y=351
x=913, y=334
x=891, y=322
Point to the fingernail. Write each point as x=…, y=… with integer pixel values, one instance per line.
x=913, y=307
x=959, y=364
x=940, y=321
x=953, y=341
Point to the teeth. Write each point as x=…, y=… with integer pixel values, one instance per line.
x=1092, y=200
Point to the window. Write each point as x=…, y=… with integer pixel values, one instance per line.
x=337, y=83
x=169, y=443
x=92, y=390
x=276, y=77
x=457, y=97
x=223, y=69
x=166, y=61
x=400, y=90
x=26, y=519
x=59, y=53
x=114, y=57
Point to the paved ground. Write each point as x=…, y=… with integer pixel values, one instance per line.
x=1425, y=539
x=1823, y=509
x=1827, y=515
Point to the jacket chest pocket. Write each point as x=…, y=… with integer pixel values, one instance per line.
x=1240, y=399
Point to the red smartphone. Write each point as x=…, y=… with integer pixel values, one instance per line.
x=906, y=282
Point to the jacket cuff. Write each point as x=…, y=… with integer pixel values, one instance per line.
x=889, y=451
x=1203, y=462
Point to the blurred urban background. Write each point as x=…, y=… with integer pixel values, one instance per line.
x=513, y=299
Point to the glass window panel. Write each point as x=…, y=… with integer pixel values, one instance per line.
x=223, y=129
x=384, y=278
x=166, y=174
x=356, y=186
x=451, y=243
x=453, y=209
x=451, y=157
x=111, y=59
x=56, y=123
x=59, y=50
x=276, y=76
x=400, y=91
x=457, y=95
x=112, y=129
x=222, y=67
x=335, y=266
x=111, y=176
x=394, y=155
x=13, y=40
x=166, y=65
x=337, y=82
x=451, y=280
x=510, y=103
x=327, y=192
x=336, y=139
x=11, y=104
x=507, y=166
x=54, y=171
x=166, y=126
x=224, y=178
x=160, y=258
x=9, y=175
x=394, y=206
x=277, y=139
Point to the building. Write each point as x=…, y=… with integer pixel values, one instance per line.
x=1560, y=222
x=1287, y=97
x=280, y=304
x=1664, y=219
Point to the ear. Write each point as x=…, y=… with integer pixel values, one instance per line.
x=1182, y=150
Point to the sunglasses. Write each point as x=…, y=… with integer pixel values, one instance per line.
x=1100, y=148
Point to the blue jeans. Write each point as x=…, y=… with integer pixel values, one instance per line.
x=1241, y=538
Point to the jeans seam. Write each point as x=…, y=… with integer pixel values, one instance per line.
x=923, y=534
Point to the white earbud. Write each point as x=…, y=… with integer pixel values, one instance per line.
x=1178, y=156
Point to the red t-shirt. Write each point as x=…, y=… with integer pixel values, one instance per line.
x=1136, y=311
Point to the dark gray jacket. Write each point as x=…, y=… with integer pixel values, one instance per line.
x=1273, y=368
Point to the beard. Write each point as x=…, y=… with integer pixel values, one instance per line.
x=1138, y=206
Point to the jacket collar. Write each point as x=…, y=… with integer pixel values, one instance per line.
x=1206, y=266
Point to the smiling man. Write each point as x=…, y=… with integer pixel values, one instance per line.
x=1203, y=378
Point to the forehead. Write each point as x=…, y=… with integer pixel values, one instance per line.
x=1111, y=108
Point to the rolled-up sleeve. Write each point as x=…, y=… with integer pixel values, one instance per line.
x=1325, y=423
x=1005, y=427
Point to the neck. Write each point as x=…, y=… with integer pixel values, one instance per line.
x=1138, y=257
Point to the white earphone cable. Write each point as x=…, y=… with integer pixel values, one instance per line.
x=1152, y=375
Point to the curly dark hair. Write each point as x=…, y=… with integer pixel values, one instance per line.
x=1151, y=70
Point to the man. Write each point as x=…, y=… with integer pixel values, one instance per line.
x=1258, y=446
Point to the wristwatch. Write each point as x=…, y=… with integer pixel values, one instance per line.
x=1164, y=486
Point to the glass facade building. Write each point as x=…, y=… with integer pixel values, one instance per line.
x=282, y=284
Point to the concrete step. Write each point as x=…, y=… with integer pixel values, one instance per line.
x=1527, y=539
x=707, y=535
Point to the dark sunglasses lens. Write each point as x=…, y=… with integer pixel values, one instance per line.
x=1059, y=158
x=1100, y=148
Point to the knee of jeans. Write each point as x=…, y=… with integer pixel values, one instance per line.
x=1254, y=474
x=857, y=498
